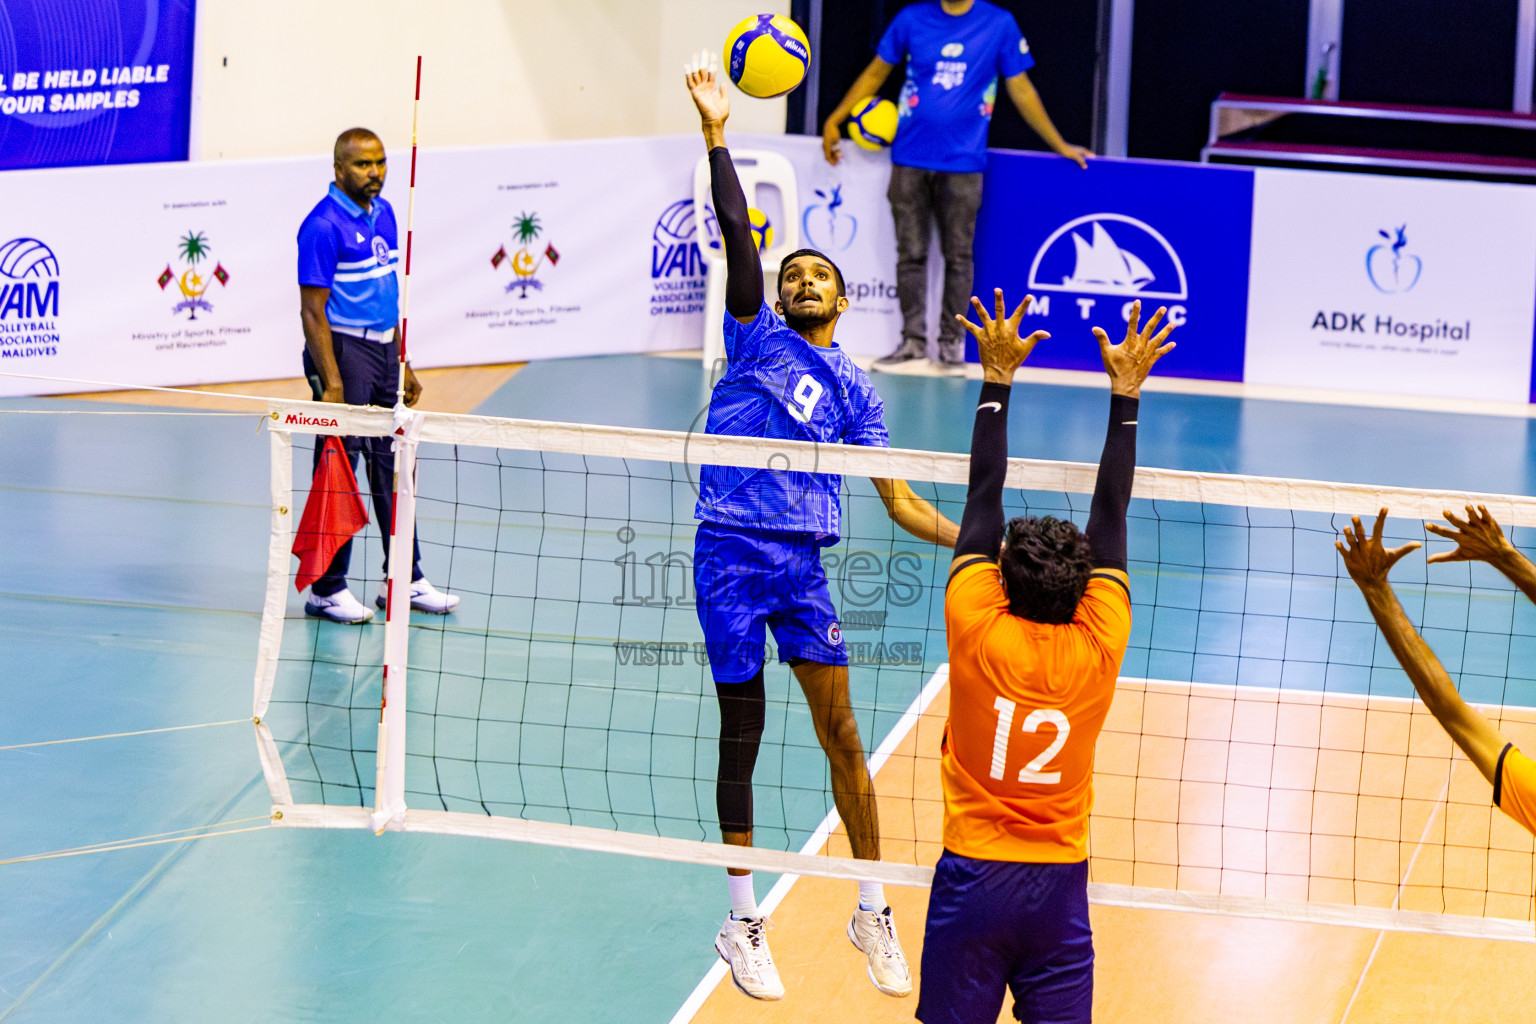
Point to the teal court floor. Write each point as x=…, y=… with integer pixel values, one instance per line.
x=132, y=569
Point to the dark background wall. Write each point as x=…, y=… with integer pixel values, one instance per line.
x=1459, y=54
x=1185, y=52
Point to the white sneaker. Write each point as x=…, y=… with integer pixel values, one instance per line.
x=873, y=933
x=424, y=598
x=744, y=946
x=338, y=607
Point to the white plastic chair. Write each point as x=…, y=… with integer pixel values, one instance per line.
x=754, y=168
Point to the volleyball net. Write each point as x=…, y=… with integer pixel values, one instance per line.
x=1263, y=757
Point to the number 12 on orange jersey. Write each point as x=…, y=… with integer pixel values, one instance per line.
x=1032, y=722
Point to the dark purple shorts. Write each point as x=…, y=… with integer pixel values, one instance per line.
x=999, y=924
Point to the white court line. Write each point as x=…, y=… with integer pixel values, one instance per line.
x=1445, y=792
x=781, y=888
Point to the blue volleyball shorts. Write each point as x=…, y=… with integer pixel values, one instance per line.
x=750, y=581
x=1000, y=925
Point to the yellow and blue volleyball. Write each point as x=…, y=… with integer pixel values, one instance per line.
x=767, y=55
x=762, y=229
x=873, y=123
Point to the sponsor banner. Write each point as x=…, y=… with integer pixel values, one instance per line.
x=1088, y=243
x=104, y=82
x=1393, y=285
x=153, y=274
x=569, y=249
x=561, y=249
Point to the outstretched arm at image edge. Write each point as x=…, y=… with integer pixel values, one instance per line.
x=1473, y=733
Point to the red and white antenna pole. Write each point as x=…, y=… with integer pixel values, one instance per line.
x=389, y=775
x=410, y=222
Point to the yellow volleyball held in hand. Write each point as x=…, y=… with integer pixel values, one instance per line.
x=767, y=55
x=873, y=123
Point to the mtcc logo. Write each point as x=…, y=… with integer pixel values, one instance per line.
x=1109, y=254
x=1391, y=268
x=826, y=226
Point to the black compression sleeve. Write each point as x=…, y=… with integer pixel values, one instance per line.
x=981, y=528
x=743, y=269
x=1112, y=491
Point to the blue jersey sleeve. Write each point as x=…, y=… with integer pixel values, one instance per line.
x=1014, y=58
x=745, y=341
x=317, y=253
x=868, y=419
x=893, y=45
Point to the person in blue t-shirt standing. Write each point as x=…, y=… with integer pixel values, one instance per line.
x=955, y=52
x=349, y=304
x=757, y=552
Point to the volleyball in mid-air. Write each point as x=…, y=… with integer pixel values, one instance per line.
x=873, y=123
x=767, y=55
x=762, y=229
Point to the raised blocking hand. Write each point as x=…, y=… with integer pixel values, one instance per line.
x=1366, y=559
x=1129, y=362
x=997, y=338
x=1478, y=537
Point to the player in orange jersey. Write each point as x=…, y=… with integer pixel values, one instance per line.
x=1478, y=538
x=1038, y=617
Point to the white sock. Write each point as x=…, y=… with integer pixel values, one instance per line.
x=871, y=896
x=743, y=900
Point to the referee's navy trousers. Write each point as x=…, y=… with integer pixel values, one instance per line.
x=370, y=374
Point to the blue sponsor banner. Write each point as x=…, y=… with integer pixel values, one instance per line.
x=94, y=81
x=1088, y=243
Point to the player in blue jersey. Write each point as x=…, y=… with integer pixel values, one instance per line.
x=955, y=52
x=757, y=562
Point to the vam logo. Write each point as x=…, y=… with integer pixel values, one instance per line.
x=678, y=266
x=29, y=299
x=193, y=249
x=1390, y=268
x=826, y=226
x=1109, y=254
x=525, y=265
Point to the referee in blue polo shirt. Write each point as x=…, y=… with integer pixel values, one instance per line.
x=955, y=52
x=349, y=302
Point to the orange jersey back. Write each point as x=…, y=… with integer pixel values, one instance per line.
x=1026, y=703
x=1514, y=788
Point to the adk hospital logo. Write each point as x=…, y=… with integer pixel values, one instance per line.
x=29, y=299
x=1390, y=266
x=1111, y=255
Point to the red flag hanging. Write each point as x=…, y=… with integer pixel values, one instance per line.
x=553, y=255
x=222, y=274
x=333, y=512
x=501, y=254
x=165, y=277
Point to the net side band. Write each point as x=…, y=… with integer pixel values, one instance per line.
x=896, y=463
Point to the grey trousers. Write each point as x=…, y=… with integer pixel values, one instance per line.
x=918, y=197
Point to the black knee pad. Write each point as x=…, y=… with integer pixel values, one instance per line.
x=743, y=709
